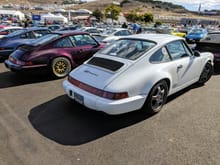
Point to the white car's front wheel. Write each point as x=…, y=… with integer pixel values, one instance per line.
x=206, y=73
x=156, y=98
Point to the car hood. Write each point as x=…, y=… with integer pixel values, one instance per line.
x=99, y=72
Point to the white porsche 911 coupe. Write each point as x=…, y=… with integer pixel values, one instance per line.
x=137, y=72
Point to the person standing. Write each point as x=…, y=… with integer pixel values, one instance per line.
x=124, y=25
x=136, y=28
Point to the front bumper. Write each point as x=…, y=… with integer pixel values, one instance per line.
x=97, y=103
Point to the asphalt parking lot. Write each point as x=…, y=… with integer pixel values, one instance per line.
x=40, y=125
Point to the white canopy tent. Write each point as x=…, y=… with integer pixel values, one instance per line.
x=52, y=17
x=83, y=11
x=14, y=13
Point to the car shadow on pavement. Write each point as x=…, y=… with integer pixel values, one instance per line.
x=69, y=123
x=11, y=79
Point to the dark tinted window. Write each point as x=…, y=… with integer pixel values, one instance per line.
x=40, y=33
x=64, y=43
x=212, y=37
x=105, y=63
x=27, y=35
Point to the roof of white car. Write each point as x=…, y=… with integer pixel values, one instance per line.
x=158, y=38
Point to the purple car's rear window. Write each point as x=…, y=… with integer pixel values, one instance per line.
x=105, y=63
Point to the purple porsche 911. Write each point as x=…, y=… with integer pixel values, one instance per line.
x=60, y=52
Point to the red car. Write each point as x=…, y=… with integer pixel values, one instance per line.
x=59, y=52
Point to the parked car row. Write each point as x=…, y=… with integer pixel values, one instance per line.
x=13, y=41
x=131, y=73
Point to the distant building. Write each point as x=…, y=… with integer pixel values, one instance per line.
x=194, y=21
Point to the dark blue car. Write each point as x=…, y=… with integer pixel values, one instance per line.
x=12, y=41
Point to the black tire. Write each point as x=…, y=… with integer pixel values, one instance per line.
x=206, y=73
x=60, y=67
x=156, y=98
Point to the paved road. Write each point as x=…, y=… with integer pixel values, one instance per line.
x=41, y=126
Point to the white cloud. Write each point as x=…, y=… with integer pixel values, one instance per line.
x=205, y=4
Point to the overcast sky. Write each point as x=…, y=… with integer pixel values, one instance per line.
x=194, y=4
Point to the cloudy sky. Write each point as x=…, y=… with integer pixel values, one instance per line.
x=194, y=4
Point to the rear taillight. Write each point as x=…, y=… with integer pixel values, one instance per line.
x=6, y=48
x=18, y=62
x=98, y=92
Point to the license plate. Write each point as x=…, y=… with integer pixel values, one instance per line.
x=78, y=98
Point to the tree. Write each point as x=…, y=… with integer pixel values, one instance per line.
x=98, y=14
x=158, y=23
x=112, y=11
x=132, y=16
x=148, y=17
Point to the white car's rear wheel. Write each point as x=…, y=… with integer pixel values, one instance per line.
x=60, y=66
x=156, y=98
x=206, y=73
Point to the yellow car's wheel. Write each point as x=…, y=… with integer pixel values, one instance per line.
x=61, y=66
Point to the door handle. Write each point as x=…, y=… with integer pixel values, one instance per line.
x=179, y=67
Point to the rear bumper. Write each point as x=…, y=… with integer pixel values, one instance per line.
x=12, y=66
x=112, y=107
x=16, y=67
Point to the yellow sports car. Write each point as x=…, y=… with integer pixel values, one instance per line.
x=176, y=32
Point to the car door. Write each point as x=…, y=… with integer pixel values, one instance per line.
x=185, y=65
x=85, y=47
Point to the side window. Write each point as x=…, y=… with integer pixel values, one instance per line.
x=177, y=50
x=40, y=33
x=118, y=33
x=125, y=33
x=28, y=35
x=160, y=56
x=215, y=37
x=64, y=43
x=83, y=40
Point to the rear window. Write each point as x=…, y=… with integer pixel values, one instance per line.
x=128, y=48
x=106, y=63
x=212, y=37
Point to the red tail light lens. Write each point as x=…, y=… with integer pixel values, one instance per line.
x=98, y=92
x=18, y=62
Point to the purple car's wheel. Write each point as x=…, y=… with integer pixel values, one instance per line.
x=156, y=98
x=61, y=66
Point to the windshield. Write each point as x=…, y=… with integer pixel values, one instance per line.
x=108, y=32
x=128, y=48
x=15, y=33
x=45, y=39
x=196, y=31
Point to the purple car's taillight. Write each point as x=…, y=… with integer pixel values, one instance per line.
x=98, y=92
x=18, y=62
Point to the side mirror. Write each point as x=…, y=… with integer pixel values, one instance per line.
x=196, y=53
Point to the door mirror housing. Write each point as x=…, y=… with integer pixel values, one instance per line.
x=196, y=53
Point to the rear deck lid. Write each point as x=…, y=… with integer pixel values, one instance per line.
x=98, y=72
